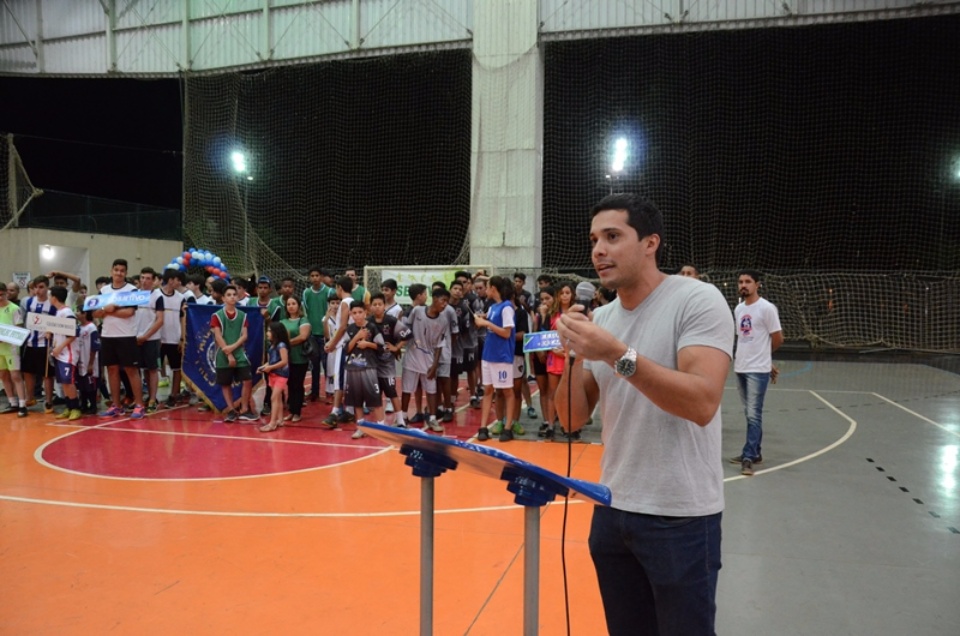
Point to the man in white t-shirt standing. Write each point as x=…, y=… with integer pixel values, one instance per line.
x=118, y=344
x=758, y=336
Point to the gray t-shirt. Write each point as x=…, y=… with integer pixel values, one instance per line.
x=428, y=335
x=654, y=462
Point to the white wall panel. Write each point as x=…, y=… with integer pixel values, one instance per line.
x=388, y=23
x=311, y=30
x=153, y=50
x=217, y=8
x=140, y=13
x=227, y=41
x=18, y=59
x=585, y=15
x=13, y=17
x=75, y=55
x=64, y=18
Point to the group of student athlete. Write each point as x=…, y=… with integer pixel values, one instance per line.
x=473, y=328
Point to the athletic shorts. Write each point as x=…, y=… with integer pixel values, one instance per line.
x=171, y=353
x=411, y=379
x=34, y=360
x=539, y=366
x=10, y=361
x=499, y=375
x=362, y=388
x=519, y=367
x=388, y=385
x=150, y=355
x=122, y=351
x=277, y=382
x=443, y=370
x=227, y=376
x=66, y=372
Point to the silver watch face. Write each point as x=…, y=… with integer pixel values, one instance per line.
x=627, y=364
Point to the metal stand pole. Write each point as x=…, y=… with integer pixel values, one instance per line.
x=426, y=556
x=531, y=570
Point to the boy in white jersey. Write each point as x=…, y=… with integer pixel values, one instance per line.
x=10, y=374
x=149, y=323
x=172, y=329
x=66, y=353
x=88, y=368
x=34, y=362
x=336, y=346
x=119, y=344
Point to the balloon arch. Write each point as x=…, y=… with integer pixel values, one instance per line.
x=204, y=259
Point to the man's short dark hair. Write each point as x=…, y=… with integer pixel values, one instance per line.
x=438, y=284
x=120, y=261
x=521, y=276
x=752, y=273
x=545, y=278
x=389, y=284
x=378, y=296
x=345, y=283
x=220, y=286
x=172, y=273
x=416, y=289
x=439, y=292
x=149, y=270
x=60, y=293
x=357, y=304
x=40, y=280
x=196, y=279
x=462, y=274
x=642, y=215
x=458, y=283
x=314, y=268
x=504, y=286
x=102, y=280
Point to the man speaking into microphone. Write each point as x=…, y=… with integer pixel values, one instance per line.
x=656, y=359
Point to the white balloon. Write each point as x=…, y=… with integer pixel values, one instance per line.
x=180, y=260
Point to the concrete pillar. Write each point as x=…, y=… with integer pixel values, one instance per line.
x=507, y=140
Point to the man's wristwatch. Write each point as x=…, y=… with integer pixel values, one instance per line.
x=627, y=364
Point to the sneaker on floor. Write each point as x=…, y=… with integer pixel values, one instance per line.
x=518, y=429
x=483, y=434
x=231, y=416
x=163, y=382
x=531, y=413
x=746, y=468
x=434, y=425
x=265, y=411
x=171, y=402
x=137, y=412
x=295, y=419
x=330, y=421
x=151, y=407
x=358, y=434
x=497, y=427
x=22, y=411
x=506, y=435
x=400, y=424
x=346, y=417
x=48, y=408
x=389, y=408
x=249, y=416
x=447, y=415
x=739, y=460
x=542, y=431
x=64, y=414
x=113, y=411
x=75, y=414
x=417, y=418
x=31, y=402
x=204, y=408
x=474, y=402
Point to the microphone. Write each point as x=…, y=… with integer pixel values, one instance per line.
x=585, y=292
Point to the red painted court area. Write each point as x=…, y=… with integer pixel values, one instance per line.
x=182, y=443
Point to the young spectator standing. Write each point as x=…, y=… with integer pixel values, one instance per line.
x=428, y=328
x=195, y=293
x=389, y=290
x=298, y=331
x=557, y=358
x=71, y=282
x=548, y=297
x=314, y=303
x=277, y=369
x=35, y=362
x=445, y=386
x=689, y=271
x=118, y=344
x=229, y=326
x=418, y=298
x=13, y=293
x=171, y=333
x=523, y=301
x=66, y=354
x=336, y=344
x=465, y=346
x=149, y=326
x=394, y=333
x=358, y=291
x=88, y=367
x=363, y=351
x=496, y=366
x=758, y=335
x=10, y=374
x=330, y=325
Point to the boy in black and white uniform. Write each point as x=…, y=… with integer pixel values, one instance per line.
x=394, y=332
x=363, y=351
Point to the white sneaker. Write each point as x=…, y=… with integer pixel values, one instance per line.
x=434, y=425
x=389, y=408
x=358, y=434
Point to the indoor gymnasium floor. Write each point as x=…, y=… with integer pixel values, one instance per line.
x=181, y=524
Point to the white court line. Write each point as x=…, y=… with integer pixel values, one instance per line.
x=851, y=429
x=770, y=387
x=917, y=415
x=282, y=515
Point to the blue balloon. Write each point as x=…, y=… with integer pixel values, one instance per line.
x=217, y=261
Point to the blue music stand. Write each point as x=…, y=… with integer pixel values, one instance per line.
x=430, y=456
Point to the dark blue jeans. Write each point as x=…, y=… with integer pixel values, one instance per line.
x=317, y=362
x=657, y=575
x=753, y=388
